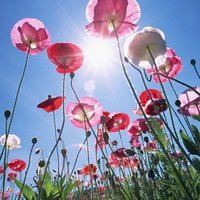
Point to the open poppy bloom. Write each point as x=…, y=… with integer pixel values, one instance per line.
x=169, y=65
x=139, y=126
x=51, y=104
x=117, y=121
x=104, y=14
x=190, y=102
x=135, y=47
x=30, y=35
x=130, y=162
x=17, y=165
x=12, y=141
x=66, y=56
x=89, y=169
x=154, y=107
x=93, y=112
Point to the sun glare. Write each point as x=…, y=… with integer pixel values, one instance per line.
x=99, y=52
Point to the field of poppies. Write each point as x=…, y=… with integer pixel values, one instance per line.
x=162, y=158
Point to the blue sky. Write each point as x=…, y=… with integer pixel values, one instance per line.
x=65, y=20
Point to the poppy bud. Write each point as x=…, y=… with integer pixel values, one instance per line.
x=126, y=59
x=34, y=140
x=193, y=62
x=88, y=133
x=37, y=151
x=103, y=119
x=72, y=75
x=178, y=103
x=64, y=152
x=7, y=114
x=41, y=163
x=114, y=142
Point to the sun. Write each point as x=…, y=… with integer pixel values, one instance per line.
x=99, y=52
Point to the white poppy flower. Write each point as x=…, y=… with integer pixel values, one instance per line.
x=135, y=47
x=12, y=142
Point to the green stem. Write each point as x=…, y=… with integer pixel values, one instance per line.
x=18, y=90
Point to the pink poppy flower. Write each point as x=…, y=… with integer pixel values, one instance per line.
x=117, y=121
x=102, y=13
x=190, y=102
x=169, y=65
x=120, y=153
x=66, y=56
x=51, y=104
x=2, y=170
x=139, y=126
x=148, y=105
x=135, y=142
x=150, y=146
x=135, y=46
x=130, y=162
x=30, y=33
x=92, y=109
x=80, y=171
x=17, y=165
x=99, y=142
x=5, y=195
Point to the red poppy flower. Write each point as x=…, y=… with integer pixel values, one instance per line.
x=11, y=176
x=152, y=108
x=117, y=121
x=17, y=165
x=30, y=32
x=89, y=169
x=51, y=104
x=93, y=111
x=102, y=13
x=66, y=56
x=101, y=189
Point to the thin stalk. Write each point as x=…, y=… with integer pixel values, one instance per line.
x=19, y=87
x=55, y=132
x=26, y=172
x=76, y=159
x=63, y=122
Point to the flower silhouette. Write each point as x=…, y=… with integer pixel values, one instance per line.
x=30, y=33
x=136, y=45
x=51, y=104
x=103, y=14
x=66, y=56
x=93, y=112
